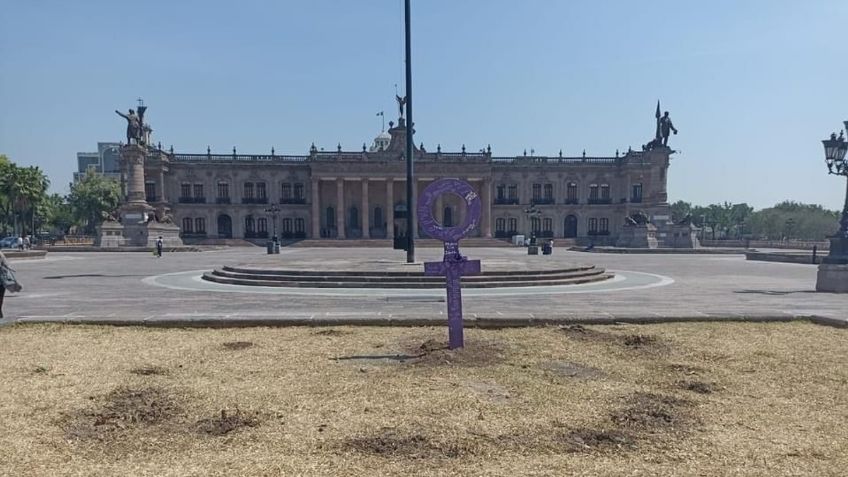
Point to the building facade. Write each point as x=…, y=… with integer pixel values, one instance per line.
x=106, y=161
x=339, y=194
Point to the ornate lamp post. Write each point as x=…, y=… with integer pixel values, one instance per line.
x=833, y=271
x=273, y=210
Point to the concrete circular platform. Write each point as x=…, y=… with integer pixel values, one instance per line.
x=500, y=272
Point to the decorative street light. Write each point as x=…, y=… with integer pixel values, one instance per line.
x=273, y=210
x=532, y=212
x=833, y=271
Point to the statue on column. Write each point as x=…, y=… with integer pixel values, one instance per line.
x=666, y=127
x=134, y=131
x=401, y=103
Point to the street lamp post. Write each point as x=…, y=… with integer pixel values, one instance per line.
x=833, y=271
x=532, y=212
x=273, y=210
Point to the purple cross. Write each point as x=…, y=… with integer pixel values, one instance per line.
x=453, y=265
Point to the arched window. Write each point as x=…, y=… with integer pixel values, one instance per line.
x=330, y=217
x=188, y=225
x=570, y=227
x=353, y=219
x=200, y=225
x=378, y=217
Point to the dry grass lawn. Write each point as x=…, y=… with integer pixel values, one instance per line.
x=672, y=399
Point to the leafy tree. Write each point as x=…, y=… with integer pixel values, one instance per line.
x=22, y=188
x=92, y=198
x=56, y=214
x=793, y=220
x=680, y=209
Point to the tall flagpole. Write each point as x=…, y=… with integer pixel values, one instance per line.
x=410, y=200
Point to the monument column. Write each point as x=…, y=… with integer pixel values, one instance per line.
x=486, y=198
x=134, y=156
x=161, y=197
x=390, y=207
x=366, y=214
x=340, y=208
x=316, y=208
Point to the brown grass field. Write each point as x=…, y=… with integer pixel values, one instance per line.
x=674, y=399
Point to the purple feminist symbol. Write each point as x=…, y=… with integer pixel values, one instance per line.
x=453, y=266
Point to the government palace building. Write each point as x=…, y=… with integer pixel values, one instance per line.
x=360, y=194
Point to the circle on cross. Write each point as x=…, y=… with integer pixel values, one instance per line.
x=448, y=186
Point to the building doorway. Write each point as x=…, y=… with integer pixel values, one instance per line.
x=570, y=227
x=225, y=226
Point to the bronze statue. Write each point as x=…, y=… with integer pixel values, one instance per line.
x=134, y=131
x=637, y=218
x=401, y=103
x=666, y=127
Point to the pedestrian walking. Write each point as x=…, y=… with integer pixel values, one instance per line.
x=159, y=245
x=7, y=280
x=20, y=243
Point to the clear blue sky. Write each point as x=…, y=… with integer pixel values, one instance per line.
x=753, y=86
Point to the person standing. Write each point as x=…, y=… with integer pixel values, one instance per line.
x=7, y=280
x=20, y=243
x=159, y=246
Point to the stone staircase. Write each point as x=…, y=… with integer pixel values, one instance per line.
x=394, y=279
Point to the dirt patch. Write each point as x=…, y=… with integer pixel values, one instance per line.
x=580, y=332
x=587, y=440
x=475, y=353
x=332, y=332
x=123, y=409
x=649, y=412
x=389, y=443
x=150, y=371
x=639, y=341
x=237, y=345
x=492, y=391
x=699, y=387
x=573, y=370
x=224, y=423
x=687, y=369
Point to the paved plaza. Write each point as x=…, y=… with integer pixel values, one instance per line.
x=137, y=287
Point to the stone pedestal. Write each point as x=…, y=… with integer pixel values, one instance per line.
x=832, y=277
x=637, y=236
x=682, y=236
x=109, y=235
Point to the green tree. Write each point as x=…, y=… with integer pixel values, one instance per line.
x=55, y=214
x=794, y=221
x=679, y=210
x=23, y=188
x=93, y=197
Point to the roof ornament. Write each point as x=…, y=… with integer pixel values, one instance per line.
x=422, y=147
x=616, y=153
x=584, y=153
x=234, y=150
x=438, y=148
x=208, y=150
x=171, y=149
x=313, y=149
x=363, y=147
x=339, y=147
x=525, y=153
x=560, y=153
x=489, y=149
x=463, y=148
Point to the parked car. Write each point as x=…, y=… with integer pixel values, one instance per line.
x=9, y=242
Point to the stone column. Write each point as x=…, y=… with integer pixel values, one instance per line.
x=316, y=208
x=161, y=197
x=134, y=156
x=340, y=208
x=390, y=207
x=366, y=213
x=486, y=198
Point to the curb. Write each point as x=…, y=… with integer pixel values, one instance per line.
x=422, y=321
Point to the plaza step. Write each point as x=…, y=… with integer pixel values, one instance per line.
x=392, y=279
x=387, y=243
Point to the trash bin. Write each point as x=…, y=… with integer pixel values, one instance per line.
x=270, y=247
x=532, y=250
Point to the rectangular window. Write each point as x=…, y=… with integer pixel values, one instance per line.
x=593, y=226
x=513, y=192
x=547, y=224
x=501, y=192
x=287, y=226
x=535, y=224
x=198, y=191
x=298, y=192
x=224, y=190
x=636, y=193
x=604, y=226
x=150, y=191
x=185, y=190
x=549, y=192
x=260, y=190
x=286, y=191
x=187, y=225
x=500, y=225
x=513, y=225
x=537, y=191
x=261, y=224
x=593, y=192
x=571, y=192
x=248, y=190
x=605, y=191
x=200, y=225
x=299, y=226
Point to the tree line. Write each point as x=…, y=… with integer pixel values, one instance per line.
x=787, y=220
x=27, y=209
